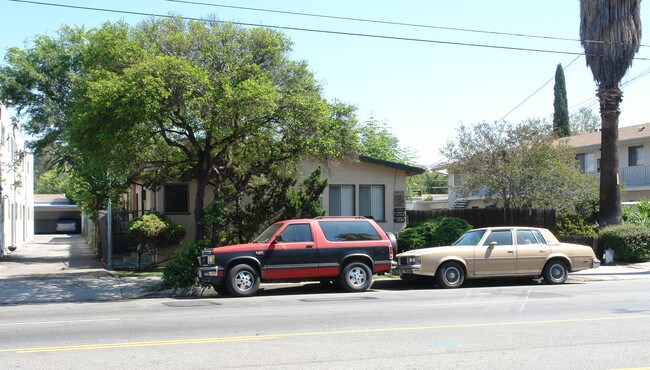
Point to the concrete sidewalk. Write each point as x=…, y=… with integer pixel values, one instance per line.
x=62, y=268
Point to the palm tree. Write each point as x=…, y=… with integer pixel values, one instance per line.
x=610, y=32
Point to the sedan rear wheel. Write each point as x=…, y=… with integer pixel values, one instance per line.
x=450, y=275
x=556, y=272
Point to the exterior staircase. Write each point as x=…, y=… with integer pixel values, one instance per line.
x=459, y=204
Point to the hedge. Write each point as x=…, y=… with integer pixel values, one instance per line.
x=631, y=243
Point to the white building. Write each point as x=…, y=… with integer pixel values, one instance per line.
x=17, y=194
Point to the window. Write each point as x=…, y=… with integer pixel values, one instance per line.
x=581, y=162
x=336, y=231
x=176, y=198
x=540, y=238
x=458, y=180
x=525, y=237
x=371, y=201
x=296, y=233
x=502, y=237
x=341, y=200
x=635, y=156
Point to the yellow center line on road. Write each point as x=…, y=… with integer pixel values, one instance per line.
x=305, y=334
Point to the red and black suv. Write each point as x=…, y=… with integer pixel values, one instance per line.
x=349, y=250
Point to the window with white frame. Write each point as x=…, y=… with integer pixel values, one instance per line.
x=341, y=200
x=635, y=155
x=371, y=201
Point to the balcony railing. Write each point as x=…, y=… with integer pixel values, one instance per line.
x=636, y=175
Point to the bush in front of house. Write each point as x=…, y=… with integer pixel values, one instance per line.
x=180, y=271
x=575, y=225
x=152, y=231
x=631, y=243
x=432, y=233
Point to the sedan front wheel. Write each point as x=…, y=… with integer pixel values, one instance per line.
x=450, y=275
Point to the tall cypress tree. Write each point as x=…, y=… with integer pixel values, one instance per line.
x=561, y=126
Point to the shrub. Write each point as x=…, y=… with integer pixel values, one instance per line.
x=638, y=214
x=431, y=233
x=180, y=271
x=571, y=224
x=152, y=231
x=631, y=243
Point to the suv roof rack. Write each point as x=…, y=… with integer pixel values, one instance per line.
x=358, y=217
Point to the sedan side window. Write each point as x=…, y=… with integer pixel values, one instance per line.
x=296, y=233
x=501, y=237
x=525, y=237
x=539, y=236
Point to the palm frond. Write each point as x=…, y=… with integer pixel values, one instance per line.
x=610, y=31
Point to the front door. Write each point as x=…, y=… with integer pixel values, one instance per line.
x=293, y=255
x=498, y=259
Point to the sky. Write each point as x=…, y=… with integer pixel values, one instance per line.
x=423, y=81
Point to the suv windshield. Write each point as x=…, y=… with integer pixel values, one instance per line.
x=470, y=238
x=267, y=234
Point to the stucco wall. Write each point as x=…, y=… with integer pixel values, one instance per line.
x=357, y=173
x=17, y=199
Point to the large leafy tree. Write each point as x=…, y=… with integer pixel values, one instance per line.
x=377, y=141
x=173, y=99
x=46, y=83
x=610, y=32
x=517, y=166
x=584, y=121
x=561, y=126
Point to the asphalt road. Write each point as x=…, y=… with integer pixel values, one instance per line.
x=584, y=325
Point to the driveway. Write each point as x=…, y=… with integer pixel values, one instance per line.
x=56, y=268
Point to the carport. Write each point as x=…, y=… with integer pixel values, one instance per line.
x=48, y=208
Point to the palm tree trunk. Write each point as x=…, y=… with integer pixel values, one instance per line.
x=610, y=188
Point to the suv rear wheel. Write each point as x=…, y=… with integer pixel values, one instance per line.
x=356, y=277
x=242, y=281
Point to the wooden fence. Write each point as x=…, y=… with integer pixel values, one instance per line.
x=486, y=217
x=594, y=242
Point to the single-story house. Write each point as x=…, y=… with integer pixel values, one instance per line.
x=365, y=187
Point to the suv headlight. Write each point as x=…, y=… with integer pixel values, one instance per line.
x=206, y=260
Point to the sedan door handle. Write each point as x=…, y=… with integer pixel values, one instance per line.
x=309, y=246
x=511, y=251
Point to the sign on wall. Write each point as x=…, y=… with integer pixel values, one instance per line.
x=399, y=210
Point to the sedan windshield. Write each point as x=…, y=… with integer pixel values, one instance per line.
x=267, y=234
x=470, y=238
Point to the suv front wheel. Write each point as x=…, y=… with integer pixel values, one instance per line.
x=356, y=277
x=242, y=281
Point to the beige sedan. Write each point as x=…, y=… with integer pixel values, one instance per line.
x=498, y=252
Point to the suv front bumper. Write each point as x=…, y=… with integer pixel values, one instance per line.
x=210, y=274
